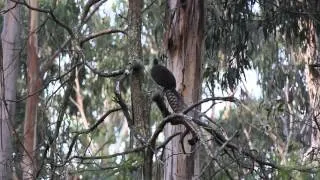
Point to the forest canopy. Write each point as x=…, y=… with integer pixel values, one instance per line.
x=176, y=89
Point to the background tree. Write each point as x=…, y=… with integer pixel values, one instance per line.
x=34, y=84
x=10, y=53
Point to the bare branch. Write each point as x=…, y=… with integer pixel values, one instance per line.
x=135, y=150
x=87, y=7
x=30, y=7
x=50, y=12
x=100, y=33
x=163, y=145
x=96, y=8
x=100, y=120
x=4, y=11
x=86, y=131
x=45, y=67
x=120, y=101
x=106, y=74
x=230, y=99
x=173, y=119
x=45, y=85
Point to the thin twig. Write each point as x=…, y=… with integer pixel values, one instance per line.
x=135, y=150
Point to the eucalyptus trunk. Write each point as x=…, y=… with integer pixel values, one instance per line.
x=9, y=57
x=184, y=42
x=313, y=85
x=33, y=84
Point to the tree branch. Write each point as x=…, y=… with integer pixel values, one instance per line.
x=105, y=74
x=135, y=150
x=100, y=33
x=50, y=12
x=87, y=7
x=97, y=6
x=86, y=131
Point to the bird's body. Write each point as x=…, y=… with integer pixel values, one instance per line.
x=162, y=76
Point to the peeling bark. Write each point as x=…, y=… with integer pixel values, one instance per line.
x=33, y=85
x=312, y=73
x=184, y=42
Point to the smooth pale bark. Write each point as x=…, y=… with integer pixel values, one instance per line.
x=10, y=38
x=33, y=83
x=184, y=42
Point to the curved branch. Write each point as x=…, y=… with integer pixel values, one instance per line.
x=87, y=7
x=101, y=119
x=45, y=67
x=105, y=74
x=55, y=19
x=163, y=145
x=93, y=11
x=230, y=99
x=100, y=33
x=135, y=150
x=75, y=138
x=173, y=119
x=4, y=11
x=50, y=12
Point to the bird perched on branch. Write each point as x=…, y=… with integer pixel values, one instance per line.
x=163, y=77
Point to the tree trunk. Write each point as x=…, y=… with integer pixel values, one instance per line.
x=139, y=99
x=184, y=41
x=33, y=84
x=313, y=84
x=10, y=53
